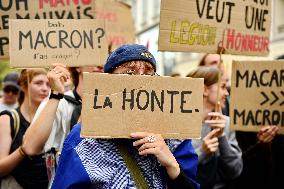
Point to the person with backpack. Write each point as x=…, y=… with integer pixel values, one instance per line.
x=56, y=116
x=17, y=170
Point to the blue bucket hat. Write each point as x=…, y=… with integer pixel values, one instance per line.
x=127, y=53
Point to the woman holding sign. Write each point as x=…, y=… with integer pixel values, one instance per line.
x=146, y=161
x=16, y=168
x=259, y=161
x=219, y=155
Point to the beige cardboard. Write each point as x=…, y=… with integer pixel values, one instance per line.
x=118, y=123
x=116, y=15
x=39, y=43
x=119, y=23
x=40, y=9
x=192, y=26
x=262, y=97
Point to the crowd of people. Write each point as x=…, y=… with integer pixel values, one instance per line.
x=41, y=147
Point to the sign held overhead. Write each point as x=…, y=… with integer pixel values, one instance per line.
x=116, y=105
x=240, y=27
x=117, y=17
x=40, y=9
x=262, y=82
x=39, y=43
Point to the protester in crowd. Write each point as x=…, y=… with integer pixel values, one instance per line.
x=100, y=163
x=263, y=154
x=214, y=61
x=258, y=169
x=11, y=91
x=219, y=156
x=16, y=168
x=277, y=148
x=56, y=115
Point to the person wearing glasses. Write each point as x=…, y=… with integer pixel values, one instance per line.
x=99, y=163
x=11, y=91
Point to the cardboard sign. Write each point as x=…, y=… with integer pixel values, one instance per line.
x=257, y=95
x=240, y=27
x=40, y=9
x=116, y=105
x=39, y=43
x=117, y=16
x=119, y=23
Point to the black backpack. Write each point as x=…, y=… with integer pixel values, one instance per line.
x=14, y=122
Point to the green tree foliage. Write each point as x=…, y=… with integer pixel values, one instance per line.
x=4, y=69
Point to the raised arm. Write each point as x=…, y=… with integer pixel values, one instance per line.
x=40, y=129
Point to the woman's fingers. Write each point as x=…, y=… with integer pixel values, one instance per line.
x=211, y=134
x=154, y=144
x=148, y=151
x=218, y=121
x=267, y=133
x=144, y=137
x=139, y=135
x=146, y=146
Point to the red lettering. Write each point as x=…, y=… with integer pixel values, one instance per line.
x=263, y=44
x=244, y=42
x=45, y=1
x=250, y=43
x=255, y=43
x=54, y=3
x=86, y=2
x=230, y=39
x=266, y=42
x=238, y=41
x=57, y=2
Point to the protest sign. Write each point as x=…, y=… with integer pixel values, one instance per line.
x=39, y=43
x=40, y=9
x=240, y=27
x=119, y=23
x=257, y=95
x=116, y=15
x=116, y=105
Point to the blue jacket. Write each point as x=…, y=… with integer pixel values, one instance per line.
x=92, y=163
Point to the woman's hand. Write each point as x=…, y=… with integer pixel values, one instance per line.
x=210, y=142
x=154, y=144
x=217, y=121
x=267, y=133
x=57, y=76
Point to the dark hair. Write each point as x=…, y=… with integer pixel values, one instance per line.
x=210, y=74
x=202, y=61
x=75, y=76
x=280, y=57
x=175, y=75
